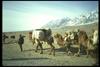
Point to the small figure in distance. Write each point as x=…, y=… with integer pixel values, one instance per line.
x=21, y=41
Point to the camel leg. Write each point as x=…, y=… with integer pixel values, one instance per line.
x=40, y=45
x=87, y=52
x=66, y=47
x=33, y=41
x=67, y=50
x=41, y=48
x=78, y=53
x=36, y=48
x=87, y=49
x=52, y=50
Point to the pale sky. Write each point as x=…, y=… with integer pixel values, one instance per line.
x=28, y=15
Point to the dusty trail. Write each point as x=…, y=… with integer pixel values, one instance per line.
x=13, y=57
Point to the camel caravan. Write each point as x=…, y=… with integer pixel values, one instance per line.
x=76, y=39
x=72, y=39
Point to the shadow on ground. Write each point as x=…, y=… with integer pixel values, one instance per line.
x=57, y=49
x=72, y=49
x=12, y=59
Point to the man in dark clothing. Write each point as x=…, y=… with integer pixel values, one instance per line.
x=21, y=41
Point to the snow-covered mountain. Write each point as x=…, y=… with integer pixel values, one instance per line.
x=88, y=18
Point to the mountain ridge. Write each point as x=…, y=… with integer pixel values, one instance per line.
x=89, y=18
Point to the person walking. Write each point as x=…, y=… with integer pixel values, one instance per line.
x=21, y=41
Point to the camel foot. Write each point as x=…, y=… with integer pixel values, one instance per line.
x=41, y=53
x=35, y=50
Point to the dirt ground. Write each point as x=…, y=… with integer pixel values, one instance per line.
x=12, y=56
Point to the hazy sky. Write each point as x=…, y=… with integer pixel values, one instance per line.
x=28, y=15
